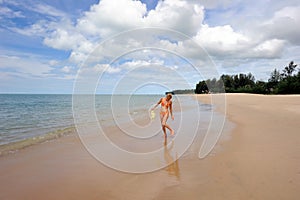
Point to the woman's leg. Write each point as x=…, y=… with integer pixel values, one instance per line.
x=165, y=125
x=162, y=114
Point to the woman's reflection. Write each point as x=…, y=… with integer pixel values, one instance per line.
x=173, y=166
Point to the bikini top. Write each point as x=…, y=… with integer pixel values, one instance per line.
x=165, y=103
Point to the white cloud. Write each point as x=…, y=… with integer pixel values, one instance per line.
x=53, y=62
x=46, y=10
x=25, y=67
x=39, y=29
x=64, y=40
x=140, y=63
x=214, y=3
x=269, y=49
x=31, y=66
x=111, y=16
x=178, y=15
x=66, y=69
x=154, y=73
x=287, y=12
x=222, y=40
x=8, y=13
x=77, y=57
x=284, y=25
x=106, y=68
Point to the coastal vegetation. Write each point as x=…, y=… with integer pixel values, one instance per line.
x=186, y=91
x=286, y=81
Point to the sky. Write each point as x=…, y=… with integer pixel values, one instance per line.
x=147, y=46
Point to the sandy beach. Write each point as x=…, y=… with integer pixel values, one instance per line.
x=260, y=160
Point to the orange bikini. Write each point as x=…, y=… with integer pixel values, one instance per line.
x=164, y=106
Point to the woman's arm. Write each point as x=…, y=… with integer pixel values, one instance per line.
x=171, y=110
x=157, y=104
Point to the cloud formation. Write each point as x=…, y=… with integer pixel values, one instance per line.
x=234, y=33
x=109, y=17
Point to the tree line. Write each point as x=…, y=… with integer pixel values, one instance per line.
x=286, y=81
x=185, y=91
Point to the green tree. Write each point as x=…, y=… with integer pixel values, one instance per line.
x=201, y=88
x=250, y=80
x=236, y=82
x=289, y=83
x=288, y=70
x=228, y=82
x=286, y=83
x=275, y=78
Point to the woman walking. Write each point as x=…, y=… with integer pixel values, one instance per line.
x=165, y=110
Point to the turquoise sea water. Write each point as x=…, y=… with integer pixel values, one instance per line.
x=24, y=116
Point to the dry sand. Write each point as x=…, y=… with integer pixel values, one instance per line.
x=260, y=161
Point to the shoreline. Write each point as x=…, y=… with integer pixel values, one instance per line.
x=10, y=148
x=15, y=146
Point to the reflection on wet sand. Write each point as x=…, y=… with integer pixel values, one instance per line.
x=173, y=165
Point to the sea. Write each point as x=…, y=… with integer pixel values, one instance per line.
x=24, y=116
x=27, y=119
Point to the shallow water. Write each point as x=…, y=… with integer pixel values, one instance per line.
x=27, y=119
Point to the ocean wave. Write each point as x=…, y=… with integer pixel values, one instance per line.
x=16, y=146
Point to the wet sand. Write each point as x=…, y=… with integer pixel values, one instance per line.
x=259, y=161
x=63, y=169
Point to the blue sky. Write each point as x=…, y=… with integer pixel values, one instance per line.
x=45, y=43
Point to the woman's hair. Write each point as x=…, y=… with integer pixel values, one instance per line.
x=169, y=96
